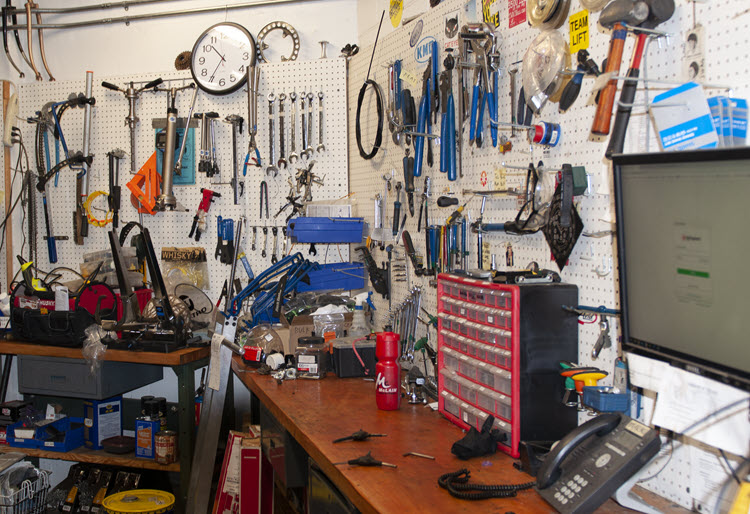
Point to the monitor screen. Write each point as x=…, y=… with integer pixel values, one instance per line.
x=683, y=240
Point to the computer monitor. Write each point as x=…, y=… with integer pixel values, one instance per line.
x=683, y=244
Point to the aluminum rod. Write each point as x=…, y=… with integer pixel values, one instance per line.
x=150, y=16
x=93, y=7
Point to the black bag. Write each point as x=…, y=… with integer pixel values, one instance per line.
x=49, y=327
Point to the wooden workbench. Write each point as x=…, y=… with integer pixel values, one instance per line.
x=315, y=412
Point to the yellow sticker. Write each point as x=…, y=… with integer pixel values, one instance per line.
x=579, y=31
x=395, y=11
x=409, y=78
x=499, y=182
x=486, y=256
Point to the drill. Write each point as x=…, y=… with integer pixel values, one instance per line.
x=199, y=220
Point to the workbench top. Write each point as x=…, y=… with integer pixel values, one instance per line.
x=315, y=412
x=176, y=358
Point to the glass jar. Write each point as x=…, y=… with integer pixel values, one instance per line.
x=312, y=357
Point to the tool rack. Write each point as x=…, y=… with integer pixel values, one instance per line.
x=499, y=347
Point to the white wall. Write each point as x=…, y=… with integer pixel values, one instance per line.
x=152, y=45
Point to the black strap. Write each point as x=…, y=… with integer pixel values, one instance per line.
x=379, y=133
x=567, y=195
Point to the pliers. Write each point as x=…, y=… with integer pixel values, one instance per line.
x=359, y=435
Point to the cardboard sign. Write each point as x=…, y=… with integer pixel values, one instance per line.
x=516, y=12
x=579, y=31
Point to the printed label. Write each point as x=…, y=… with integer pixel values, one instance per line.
x=579, y=31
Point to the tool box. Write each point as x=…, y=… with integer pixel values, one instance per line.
x=326, y=230
x=345, y=361
x=499, y=347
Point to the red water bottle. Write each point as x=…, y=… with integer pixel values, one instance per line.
x=387, y=371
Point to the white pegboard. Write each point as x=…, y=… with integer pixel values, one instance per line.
x=590, y=264
x=171, y=229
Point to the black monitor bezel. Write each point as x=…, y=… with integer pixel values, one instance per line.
x=726, y=374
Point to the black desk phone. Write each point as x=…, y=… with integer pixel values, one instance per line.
x=590, y=463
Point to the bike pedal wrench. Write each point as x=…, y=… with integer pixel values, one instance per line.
x=271, y=169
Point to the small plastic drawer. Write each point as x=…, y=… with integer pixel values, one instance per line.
x=448, y=339
x=450, y=360
x=462, y=328
x=480, y=314
x=499, y=319
x=480, y=351
x=480, y=295
x=497, y=379
x=499, y=299
x=502, y=358
x=469, y=414
x=467, y=390
x=465, y=346
x=471, y=312
x=495, y=403
x=451, y=404
x=463, y=292
x=467, y=368
x=449, y=380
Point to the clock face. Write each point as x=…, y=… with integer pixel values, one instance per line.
x=221, y=57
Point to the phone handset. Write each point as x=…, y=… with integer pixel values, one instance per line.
x=549, y=472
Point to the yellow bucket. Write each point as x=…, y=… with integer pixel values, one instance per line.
x=139, y=501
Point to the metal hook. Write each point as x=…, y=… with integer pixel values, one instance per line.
x=606, y=270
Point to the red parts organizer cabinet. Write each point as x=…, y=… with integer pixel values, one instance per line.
x=499, y=347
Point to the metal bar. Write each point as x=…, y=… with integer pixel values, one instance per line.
x=85, y=8
x=139, y=17
x=87, y=132
x=186, y=417
x=9, y=260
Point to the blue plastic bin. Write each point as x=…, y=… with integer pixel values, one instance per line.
x=340, y=275
x=73, y=436
x=326, y=230
x=598, y=397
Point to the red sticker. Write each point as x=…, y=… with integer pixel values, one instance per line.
x=516, y=12
x=483, y=178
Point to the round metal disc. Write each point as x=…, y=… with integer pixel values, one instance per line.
x=287, y=30
x=542, y=65
x=540, y=11
x=594, y=5
x=558, y=17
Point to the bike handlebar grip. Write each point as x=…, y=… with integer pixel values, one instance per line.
x=153, y=83
x=111, y=86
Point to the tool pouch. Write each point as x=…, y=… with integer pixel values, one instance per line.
x=32, y=321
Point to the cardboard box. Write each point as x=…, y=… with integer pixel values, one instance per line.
x=246, y=480
x=102, y=419
x=304, y=326
x=145, y=431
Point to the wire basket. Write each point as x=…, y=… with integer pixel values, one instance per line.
x=30, y=498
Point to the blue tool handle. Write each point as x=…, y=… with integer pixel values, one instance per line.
x=219, y=227
x=444, y=142
x=247, y=161
x=451, y=140
x=396, y=216
x=480, y=120
x=473, y=119
x=419, y=140
x=492, y=102
x=493, y=227
x=434, y=246
x=229, y=229
x=52, y=249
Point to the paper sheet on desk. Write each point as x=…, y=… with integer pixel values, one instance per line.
x=686, y=398
x=644, y=372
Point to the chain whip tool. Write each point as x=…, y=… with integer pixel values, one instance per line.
x=321, y=147
x=271, y=169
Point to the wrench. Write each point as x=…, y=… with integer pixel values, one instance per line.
x=303, y=112
x=271, y=169
x=274, y=258
x=321, y=147
x=282, y=160
x=603, y=341
x=283, y=251
x=309, y=148
x=255, y=235
x=265, y=242
x=293, y=157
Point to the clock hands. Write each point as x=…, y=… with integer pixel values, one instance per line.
x=213, y=75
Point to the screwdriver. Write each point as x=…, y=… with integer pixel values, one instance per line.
x=446, y=201
x=457, y=212
x=366, y=460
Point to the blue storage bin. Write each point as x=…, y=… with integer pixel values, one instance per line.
x=73, y=436
x=599, y=398
x=17, y=442
x=340, y=275
x=326, y=230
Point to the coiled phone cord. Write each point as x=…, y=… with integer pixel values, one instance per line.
x=457, y=484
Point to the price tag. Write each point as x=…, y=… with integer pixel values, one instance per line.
x=500, y=174
x=409, y=78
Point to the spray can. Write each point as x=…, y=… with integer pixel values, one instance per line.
x=387, y=394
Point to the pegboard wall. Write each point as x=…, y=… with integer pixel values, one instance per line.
x=590, y=266
x=109, y=132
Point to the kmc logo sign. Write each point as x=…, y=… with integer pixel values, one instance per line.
x=423, y=51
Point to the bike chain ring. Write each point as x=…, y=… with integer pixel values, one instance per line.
x=541, y=11
x=182, y=62
x=288, y=30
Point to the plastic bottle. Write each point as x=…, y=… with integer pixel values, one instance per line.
x=387, y=382
x=360, y=326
